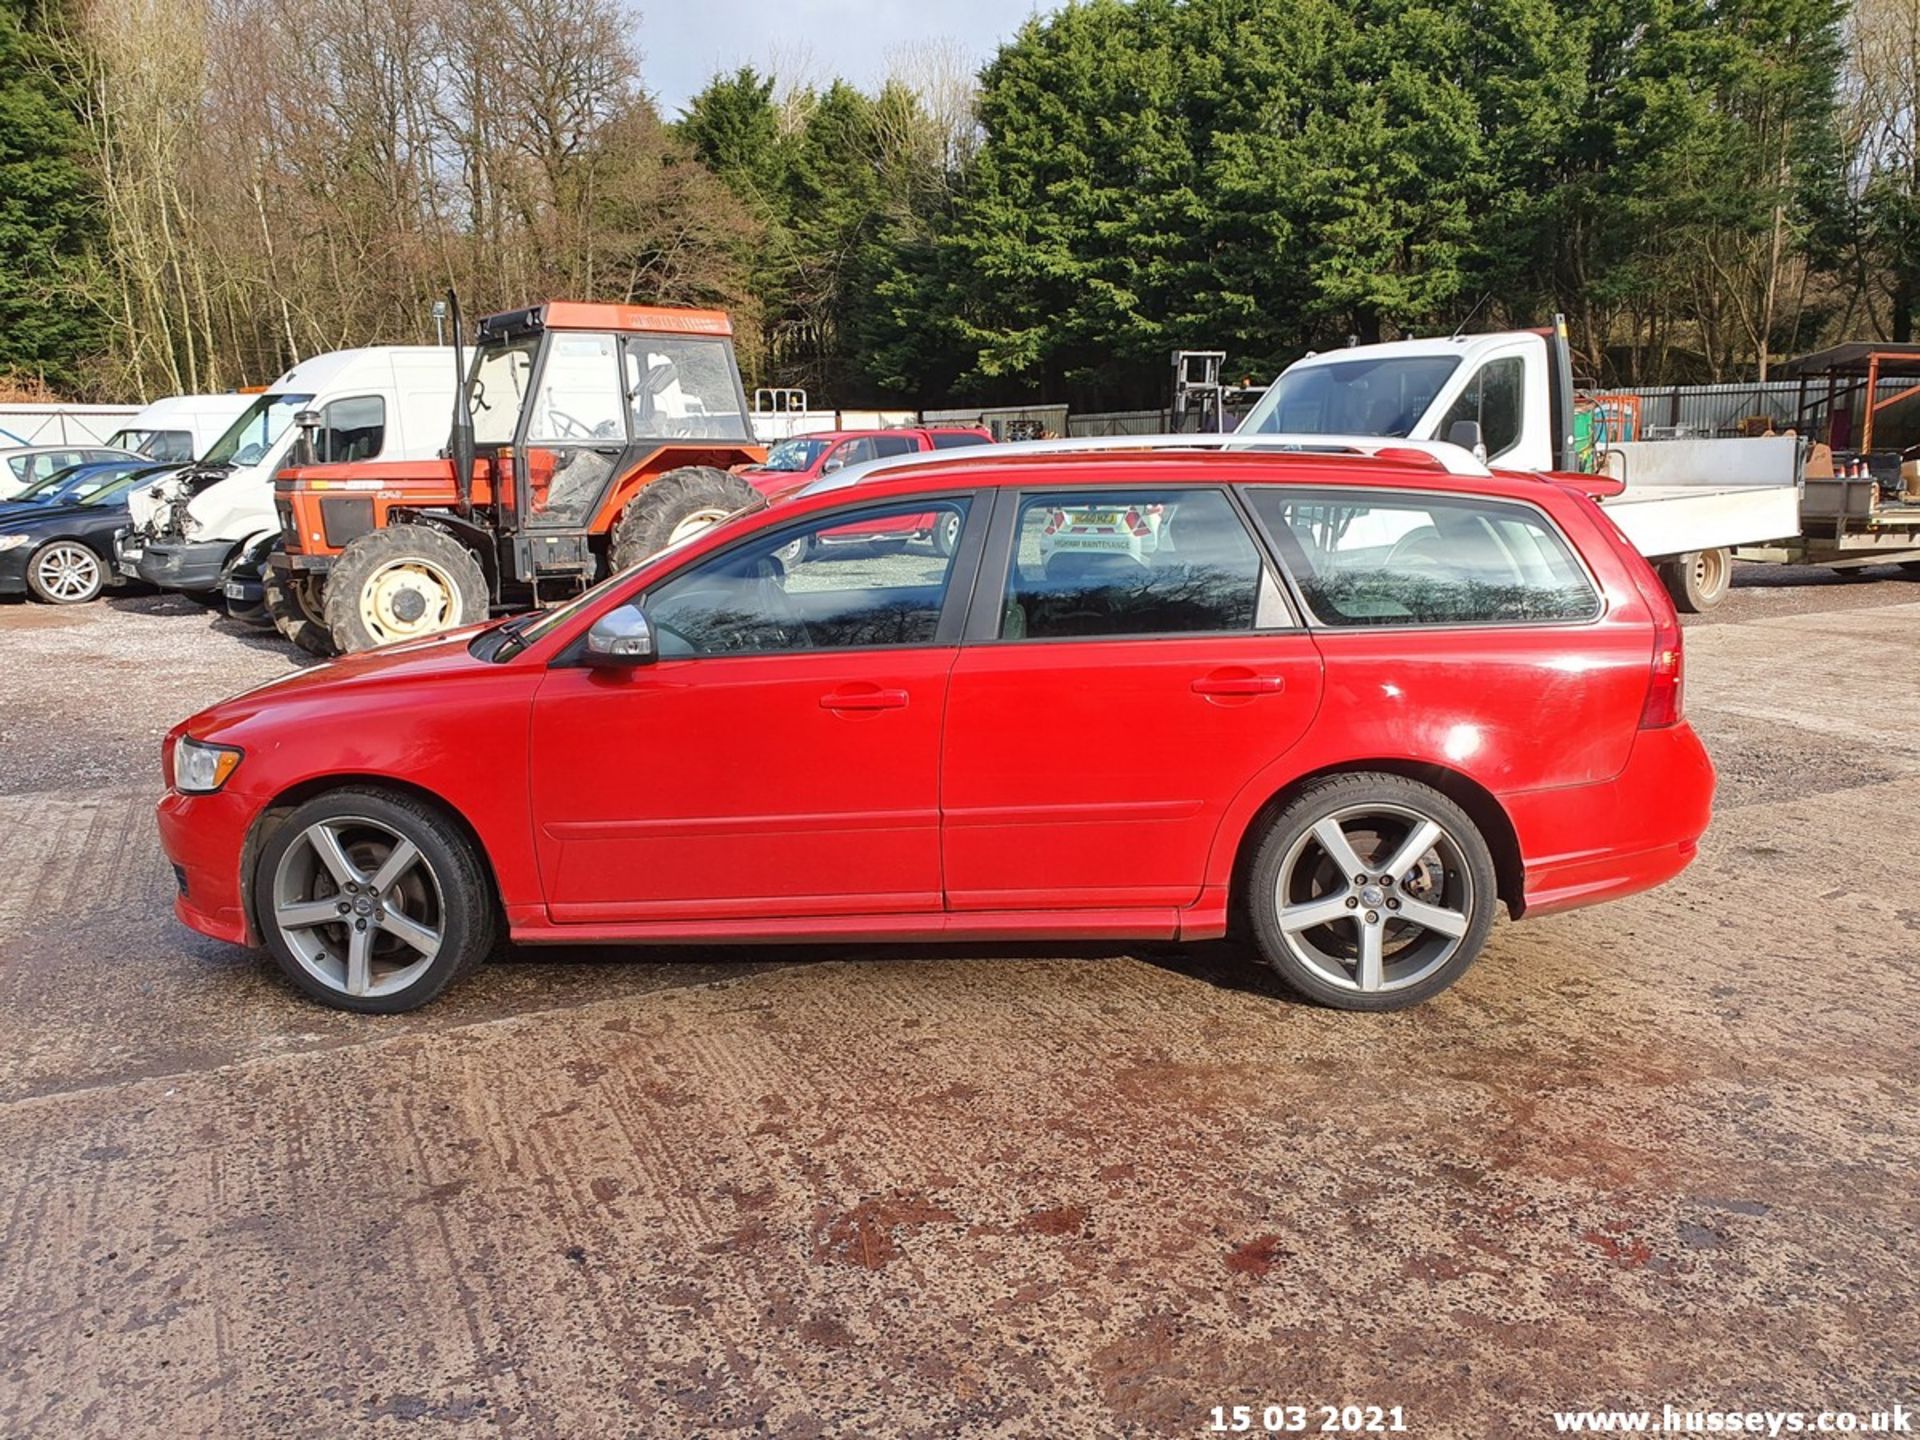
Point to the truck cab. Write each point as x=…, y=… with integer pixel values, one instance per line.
x=1504, y=383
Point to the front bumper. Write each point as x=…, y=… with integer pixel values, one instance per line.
x=183, y=564
x=205, y=838
x=127, y=547
x=297, y=564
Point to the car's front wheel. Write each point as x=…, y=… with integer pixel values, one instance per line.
x=1371, y=892
x=373, y=901
x=66, y=572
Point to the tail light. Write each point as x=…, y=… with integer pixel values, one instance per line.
x=1665, y=704
x=1666, y=699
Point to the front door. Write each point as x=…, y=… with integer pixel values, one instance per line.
x=1141, y=667
x=781, y=756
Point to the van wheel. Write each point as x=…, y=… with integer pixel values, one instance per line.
x=294, y=602
x=1371, y=892
x=675, y=506
x=402, y=583
x=373, y=902
x=1699, y=580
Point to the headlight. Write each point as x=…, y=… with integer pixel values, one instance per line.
x=14, y=542
x=200, y=768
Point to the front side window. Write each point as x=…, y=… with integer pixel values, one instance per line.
x=1494, y=398
x=1364, y=396
x=577, y=401
x=252, y=437
x=684, y=387
x=1130, y=562
x=351, y=429
x=1414, y=560
x=859, y=578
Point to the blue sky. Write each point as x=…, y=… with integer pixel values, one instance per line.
x=685, y=41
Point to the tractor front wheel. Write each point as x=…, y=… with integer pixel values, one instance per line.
x=402, y=583
x=674, y=506
x=294, y=602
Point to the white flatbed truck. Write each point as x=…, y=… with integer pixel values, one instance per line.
x=1685, y=504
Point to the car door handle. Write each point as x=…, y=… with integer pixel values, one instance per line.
x=1229, y=683
x=870, y=699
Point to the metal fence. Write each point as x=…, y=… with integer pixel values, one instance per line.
x=1721, y=409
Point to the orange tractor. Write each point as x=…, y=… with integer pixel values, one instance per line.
x=585, y=437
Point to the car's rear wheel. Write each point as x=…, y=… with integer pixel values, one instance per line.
x=294, y=603
x=66, y=572
x=372, y=901
x=946, y=532
x=1371, y=892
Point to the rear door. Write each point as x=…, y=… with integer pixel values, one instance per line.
x=1469, y=628
x=1131, y=663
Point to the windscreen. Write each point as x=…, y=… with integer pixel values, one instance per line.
x=793, y=456
x=252, y=437
x=1368, y=395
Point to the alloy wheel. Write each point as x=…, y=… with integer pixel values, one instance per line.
x=358, y=906
x=1375, y=897
x=67, y=572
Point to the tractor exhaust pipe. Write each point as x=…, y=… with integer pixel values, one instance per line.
x=460, y=439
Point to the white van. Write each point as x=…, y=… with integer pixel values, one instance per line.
x=385, y=402
x=180, y=428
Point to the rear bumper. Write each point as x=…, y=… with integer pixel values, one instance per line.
x=1592, y=843
x=205, y=838
x=183, y=565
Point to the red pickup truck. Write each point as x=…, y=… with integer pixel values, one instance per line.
x=792, y=464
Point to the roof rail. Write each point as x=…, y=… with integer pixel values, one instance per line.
x=1451, y=458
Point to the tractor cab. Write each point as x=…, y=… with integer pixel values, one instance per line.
x=585, y=437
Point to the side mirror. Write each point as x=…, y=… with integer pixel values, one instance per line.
x=620, y=639
x=834, y=462
x=1467, y=435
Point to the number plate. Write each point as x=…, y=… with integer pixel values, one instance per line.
x=235, y=590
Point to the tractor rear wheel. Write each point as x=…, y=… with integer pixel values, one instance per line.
x=294, y=602
x=674, y=506
x=402, y=583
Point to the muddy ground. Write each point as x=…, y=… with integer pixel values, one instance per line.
x=1667, y=1150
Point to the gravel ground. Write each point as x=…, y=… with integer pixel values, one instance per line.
x=1666, y=1150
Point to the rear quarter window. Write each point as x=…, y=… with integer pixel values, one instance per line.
x=1382, y=560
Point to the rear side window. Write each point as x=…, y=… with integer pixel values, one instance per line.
x=1406, y=560
x=1130, y=562
x=885, y=445
x=957, y=440
x=351, y=429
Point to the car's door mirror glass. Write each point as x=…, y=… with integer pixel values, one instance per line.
x=621, y=638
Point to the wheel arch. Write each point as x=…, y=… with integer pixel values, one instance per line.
x=294, y=796
x=1483, y=807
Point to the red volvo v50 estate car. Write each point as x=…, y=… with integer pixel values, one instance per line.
x=1355, y=701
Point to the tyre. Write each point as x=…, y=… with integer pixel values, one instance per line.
x=372, y=901
x=1699, y=580
x=66, y=572
x=946, y=532
x=402, y=583
x=1371, y=892
x=673, y=506
x=294, y=602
